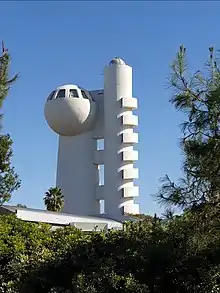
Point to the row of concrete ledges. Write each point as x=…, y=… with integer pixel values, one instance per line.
x=128, y=155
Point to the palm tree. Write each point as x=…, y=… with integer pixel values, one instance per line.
x=54, y=199
x=20, y=205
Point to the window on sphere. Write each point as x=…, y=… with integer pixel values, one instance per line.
x=51, y=96
x=73, y=93
x=61, y=94
x=84, y=95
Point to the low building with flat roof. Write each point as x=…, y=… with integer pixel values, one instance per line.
x=58, y=220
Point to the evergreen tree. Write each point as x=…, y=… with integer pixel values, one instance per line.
x=198, y=97
x=5, y=81
x=9, y=180
x=54, y=199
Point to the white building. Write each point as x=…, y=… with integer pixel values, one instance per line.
x=59, y=220
x=83, y=119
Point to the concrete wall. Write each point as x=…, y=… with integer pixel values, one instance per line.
x=119, y=156
x=76, y=174
x=79, y=159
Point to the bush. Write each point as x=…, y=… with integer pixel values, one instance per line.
x=179, y=255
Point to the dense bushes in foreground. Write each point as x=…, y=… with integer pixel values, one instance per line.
x=178, y=255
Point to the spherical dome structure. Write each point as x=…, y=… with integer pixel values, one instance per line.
x=70, y=110
x=117, y=61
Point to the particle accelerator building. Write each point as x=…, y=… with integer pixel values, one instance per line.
x=96, y=155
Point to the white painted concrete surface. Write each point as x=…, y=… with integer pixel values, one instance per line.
x=76, y=174
x=86, y=223
x=70, y=115
x=80, y=117
x=118, y=104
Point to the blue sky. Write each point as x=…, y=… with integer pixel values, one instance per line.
x=54, y=43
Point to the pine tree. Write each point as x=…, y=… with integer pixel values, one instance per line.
x=9, y=180
x=198, y=97
x=5, y=81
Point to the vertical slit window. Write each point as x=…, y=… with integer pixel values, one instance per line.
x=100, y=144
x=101, y=175
x=102, y=206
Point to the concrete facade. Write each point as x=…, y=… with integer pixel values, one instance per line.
x=82, y=118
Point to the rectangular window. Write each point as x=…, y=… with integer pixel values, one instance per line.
x=101, y=175
x=102, y=206
x=61, y=94
x=51, y=96
x=100, y=144
x=84, y=94
x=73, y=93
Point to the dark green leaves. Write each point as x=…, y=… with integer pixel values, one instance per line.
x=54, y=199
x=5, y=81
x=9, y=180
x=198, y=97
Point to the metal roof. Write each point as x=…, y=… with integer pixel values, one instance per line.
x=61, y=219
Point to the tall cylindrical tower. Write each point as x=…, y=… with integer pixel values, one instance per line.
x=120, y=138
x=72, y=113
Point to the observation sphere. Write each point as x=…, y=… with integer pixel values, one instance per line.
x=70, y=110
x=117, y=61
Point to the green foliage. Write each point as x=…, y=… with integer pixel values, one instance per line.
x=54, y=199
x=25, y=246
x=21, y=205
x=179, y=255
x=21, y=243
x=9, y=180
x=140, y=217
x=5, y=81
x=198, y=97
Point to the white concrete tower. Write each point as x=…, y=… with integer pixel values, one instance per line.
x=81, y=119
x=71, y=112
x=120, y=138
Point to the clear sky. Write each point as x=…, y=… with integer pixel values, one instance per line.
x=54, y=43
